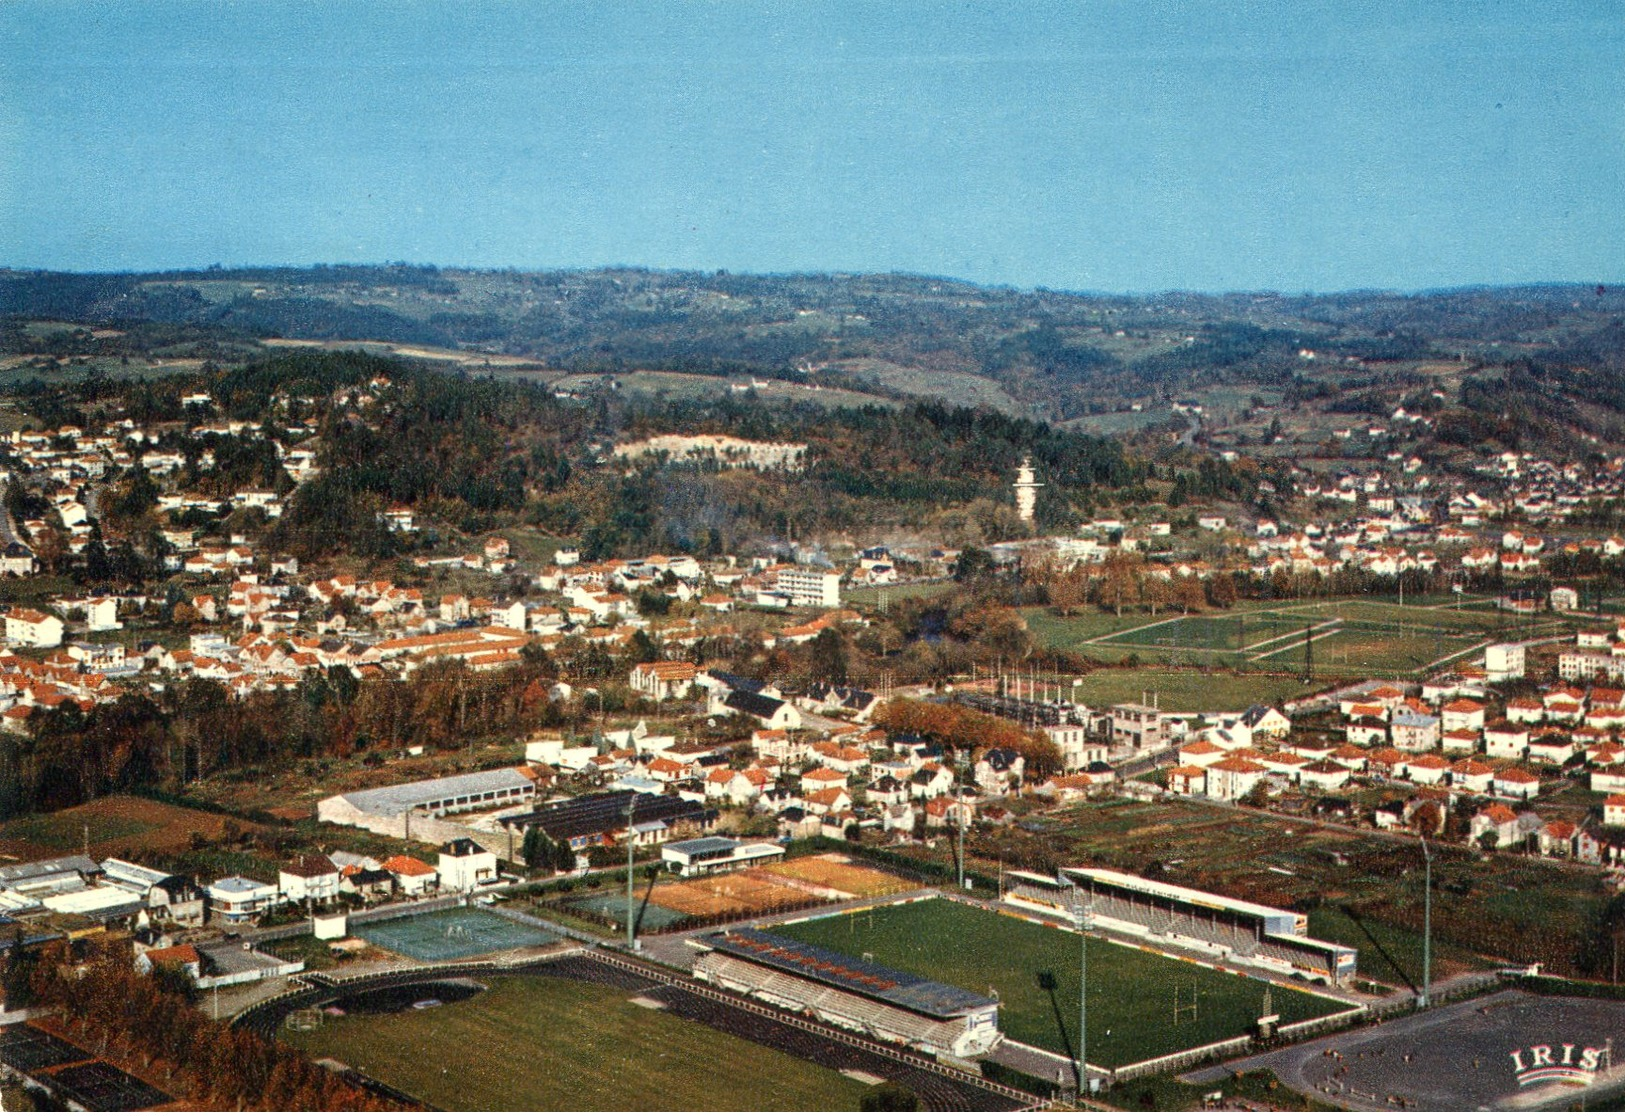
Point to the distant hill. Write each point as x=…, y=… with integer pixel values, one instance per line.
x=1045, y=354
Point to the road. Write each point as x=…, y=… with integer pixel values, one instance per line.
x=1189, y=437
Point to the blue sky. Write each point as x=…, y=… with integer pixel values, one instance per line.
x=1112, y=146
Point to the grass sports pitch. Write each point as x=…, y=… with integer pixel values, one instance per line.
x=539, y=1044
x=1035, y=971
x=1350, y=635
x=452, y=934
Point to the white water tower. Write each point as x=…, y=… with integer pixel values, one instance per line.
x=1026, y=486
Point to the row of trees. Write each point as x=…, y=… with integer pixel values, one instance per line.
x=197, y=728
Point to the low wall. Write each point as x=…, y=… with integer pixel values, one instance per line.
x=1183, y=1059
x=414, y=827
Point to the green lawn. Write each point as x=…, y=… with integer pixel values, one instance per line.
x=1187, y=691
x=1390, y=954
x=59, y=831
x=1358, y=647
x=869, y=596
x=542, y=1044
x=1035, y=970
x=1374, y=635
x=1218, y=633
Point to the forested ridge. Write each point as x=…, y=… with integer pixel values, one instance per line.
x=1058, y=354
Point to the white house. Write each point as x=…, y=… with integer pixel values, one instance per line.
x=101, y=614
x=412, y=876
x=664, y=681
x=465, y=866
x=1516, y=783
x=313, y=879
x=1496, y=819
x=238, y=899
x=1503, y=661
x=1233, y=777
x=1415, y=732
x=1506, y=741
x=28, y=627
x=1463, y=713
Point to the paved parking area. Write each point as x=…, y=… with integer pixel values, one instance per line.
x=1452, y=1058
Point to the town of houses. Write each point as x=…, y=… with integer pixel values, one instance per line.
x=1486, y=752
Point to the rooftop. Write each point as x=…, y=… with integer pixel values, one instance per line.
x=905, y=990
x=402, y=797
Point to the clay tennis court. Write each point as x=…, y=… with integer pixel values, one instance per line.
x=788, y=886
x=832, y=870
x=737, y=893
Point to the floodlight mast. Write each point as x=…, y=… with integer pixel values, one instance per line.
x=631, y=926
x=1084, y=914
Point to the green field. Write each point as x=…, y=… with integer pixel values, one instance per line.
x=537, y=1044
x=869, y=595
x=1214, y=633
x=61, y=831
x=1353, y=636
x=1389, y=954
x=1187, y=691
x=1035, y=970
x=1358, y=647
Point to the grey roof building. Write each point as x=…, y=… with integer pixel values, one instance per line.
x=455, y=794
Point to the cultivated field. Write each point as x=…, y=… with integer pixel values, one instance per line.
x=115, y=824
x=869, y=596
x=1188, y=691
x=541, y=1044
x=1034, y=969
x=687, y=385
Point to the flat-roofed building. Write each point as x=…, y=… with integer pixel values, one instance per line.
x=1137, y=726
x=810, y=587
x=705, y=856
x=238, y=899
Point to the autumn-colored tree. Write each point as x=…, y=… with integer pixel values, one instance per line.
x=968, y=732
x=1119, y=581
x=100, y=997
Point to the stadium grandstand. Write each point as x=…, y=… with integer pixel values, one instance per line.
x=842, y=991
x=1251, y=933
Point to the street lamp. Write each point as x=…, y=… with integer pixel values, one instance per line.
x=1427, y=925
